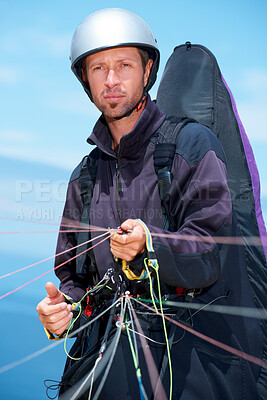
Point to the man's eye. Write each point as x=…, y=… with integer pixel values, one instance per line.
x=126, y=65
x=98, y=68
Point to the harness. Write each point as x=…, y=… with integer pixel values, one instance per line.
x=165, y=139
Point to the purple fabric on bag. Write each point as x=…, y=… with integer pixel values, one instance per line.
x=255, y=179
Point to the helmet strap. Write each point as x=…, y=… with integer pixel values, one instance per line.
x=137, y=107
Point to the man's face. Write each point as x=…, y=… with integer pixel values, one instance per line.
x=117, y=79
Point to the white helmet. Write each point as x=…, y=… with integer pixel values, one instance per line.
x=108, y=28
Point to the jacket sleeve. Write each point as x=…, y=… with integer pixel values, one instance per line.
x=65, y=263
x=199, y=205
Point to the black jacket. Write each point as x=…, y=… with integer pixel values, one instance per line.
x=200, y=205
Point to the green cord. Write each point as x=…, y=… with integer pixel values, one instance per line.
x=151, y=286
x=153, y=263
x=132, y=348
x=165, y=330
x=78, y=305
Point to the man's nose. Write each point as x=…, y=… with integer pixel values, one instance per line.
x=112, y=79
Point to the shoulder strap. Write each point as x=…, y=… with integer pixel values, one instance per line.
x=87, y=180
x=165, y=139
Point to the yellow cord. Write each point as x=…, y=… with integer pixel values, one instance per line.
x=131, y=275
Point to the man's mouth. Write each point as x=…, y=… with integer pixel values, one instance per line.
x=113, y=96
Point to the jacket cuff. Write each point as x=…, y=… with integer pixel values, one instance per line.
x=51, y=336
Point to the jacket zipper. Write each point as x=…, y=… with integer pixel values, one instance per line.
x=119, y=190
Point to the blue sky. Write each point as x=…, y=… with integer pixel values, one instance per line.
x=46, y=118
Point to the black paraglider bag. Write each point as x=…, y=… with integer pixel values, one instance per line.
x=192, y=86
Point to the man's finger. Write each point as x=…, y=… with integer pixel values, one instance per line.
x=53, y=318
x=48, y=309
x=52, y=290
x=58, y=327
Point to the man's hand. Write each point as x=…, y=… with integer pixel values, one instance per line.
x=54, y=312
x=129, y=245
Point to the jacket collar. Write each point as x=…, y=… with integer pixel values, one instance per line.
x=132, y=142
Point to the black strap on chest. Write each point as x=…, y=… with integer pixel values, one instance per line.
x=87, y=179
x=165, y=139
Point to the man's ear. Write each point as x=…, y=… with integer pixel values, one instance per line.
x=147, y=71
x=84, y=75
x=84, y=71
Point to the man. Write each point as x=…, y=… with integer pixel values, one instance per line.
x=115, y=56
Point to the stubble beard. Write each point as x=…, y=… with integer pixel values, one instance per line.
x=113, y=110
